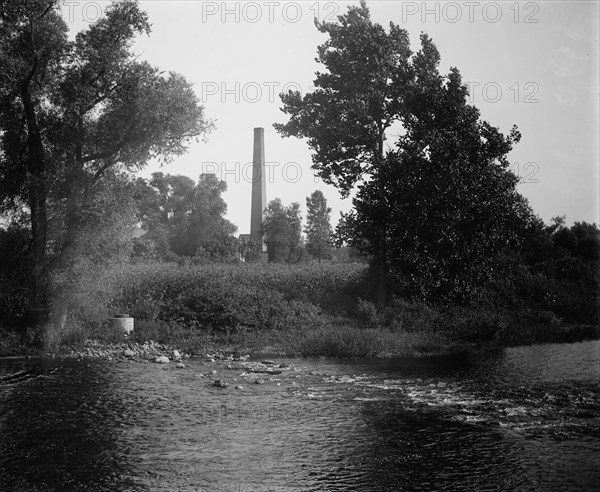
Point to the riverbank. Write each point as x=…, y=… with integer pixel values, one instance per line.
x=292, y=310
x=324, y=342
x=331, y=340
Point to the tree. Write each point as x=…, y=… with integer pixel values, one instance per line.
x=588, y=240
x=450, y=200
x=282, y=228
x=318, y=228
x=102, y=243
x=32, y=41
x=564, y=263
x=355, y=102
x=434, y=203
x=208, y=230
x=163, y=207
x=75, y=115
x=250, y=248
x=183, y=218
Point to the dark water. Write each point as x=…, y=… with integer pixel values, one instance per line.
x=521, y=419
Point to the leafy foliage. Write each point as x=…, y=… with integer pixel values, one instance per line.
x=76, y=116
x=357, y=98
x=318, y=228
x=435, y=198
x=208, y=230
x=229, y=297
x=183, y=218
x=250, y=248
x=560, y=271
x=282, y=231
x=16, y=273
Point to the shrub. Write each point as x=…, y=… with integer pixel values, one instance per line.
x=230, y=297
x=85, y=289
x=69, y=334
x=368, y=314
x=345, y=341
x=475, y=325
x=16, y=274
x=10, y=342
x=412, y=317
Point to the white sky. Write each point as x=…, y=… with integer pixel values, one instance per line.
x=533, y=64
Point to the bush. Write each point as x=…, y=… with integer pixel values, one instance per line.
x=85, y=289
x=10, y=342
x=338, y=338
x=223, y=298
x=344, y=341
x=476, y=325
x=367, y=313
x=307, y=309
x=72, y=335
x=412, y=317
x=16, y=274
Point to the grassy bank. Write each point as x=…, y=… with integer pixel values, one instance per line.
x=281, y=309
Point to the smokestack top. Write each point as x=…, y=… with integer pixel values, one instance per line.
x=259, y=130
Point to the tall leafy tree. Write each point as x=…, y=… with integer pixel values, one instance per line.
x=77, y=114
x=184, y=218
x=450, y=201
x=434, y=196
x=282, y=228
x=32, y=43
x=318, y=227
x=357, y=99
x=163, y=206
x=208, y=231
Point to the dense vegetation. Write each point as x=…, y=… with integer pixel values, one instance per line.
x=310, y=308
x=446, y=253
x=282, y=228
x=181, y=218
x=77, y=119
x=435, y=200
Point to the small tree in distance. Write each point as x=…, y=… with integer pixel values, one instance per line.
x=318, y=228
x=282, y=228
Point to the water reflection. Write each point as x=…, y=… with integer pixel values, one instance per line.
x=60, y=427
x=426, y=452
x=519, y=419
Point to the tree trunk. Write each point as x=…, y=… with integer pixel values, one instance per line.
x=382, y=249
x=381, y=271
x=60, y=301
x=36, y=170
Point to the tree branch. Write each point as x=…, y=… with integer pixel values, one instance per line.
x=50, y=7
x=104, y=96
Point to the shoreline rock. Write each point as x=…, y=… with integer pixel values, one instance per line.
x=220, y=383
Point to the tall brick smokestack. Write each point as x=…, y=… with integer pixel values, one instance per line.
x=259, y=185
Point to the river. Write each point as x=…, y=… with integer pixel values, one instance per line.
x=525, y=418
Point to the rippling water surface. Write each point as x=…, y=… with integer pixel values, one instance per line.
x=520, y=419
